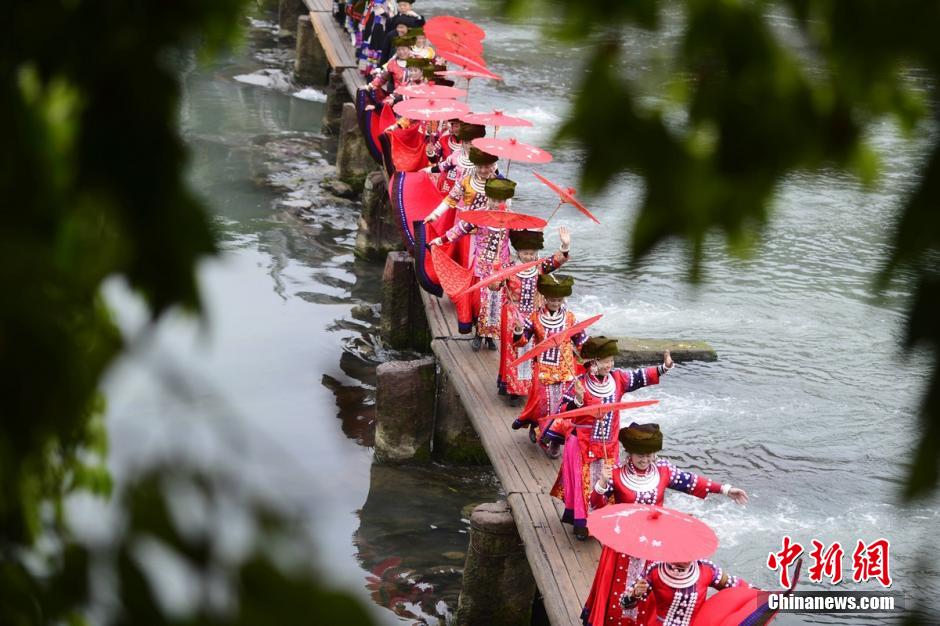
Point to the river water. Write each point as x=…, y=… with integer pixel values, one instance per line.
x=811, y=407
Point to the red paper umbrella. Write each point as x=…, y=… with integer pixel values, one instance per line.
x=423, y=109
x=553, y=341
x=431, y=92
x=468, y=74
x=501, y=275
x=455, y=43
x=567, y=197
x=513, y=150
x=453, y=276
x=597, y=410
x=652, y=532
x=502, y=219
x=496, y=118
x=472, y=62
x=448, y=24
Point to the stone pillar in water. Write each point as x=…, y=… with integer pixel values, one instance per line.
x=287, y=13
x=498, y=588
x=378, y=232
x=353, y=161
x=455, y=438
x=310, y=63
x=336, y=96
x=404, y=324
x=404, y=410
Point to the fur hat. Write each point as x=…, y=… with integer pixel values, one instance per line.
x=403, y=42
x=555, y=285
x=500, y=188
x=478, y=157
x=641, y=438
x=527, y=239
x=599, y=347
x=468, y=132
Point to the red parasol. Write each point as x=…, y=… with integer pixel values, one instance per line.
x=468, y=74
x=566, y=195
x=448, y=24
x=431, y=92
x=501, y=275
x=652, y=533
x=423, y=109
x=453, y=276
x=553, y=341
x=496, y=118
x=597, y=410
x=502, y=219
x=742, y=605
x=452, y=42
x=472, y=62
x=513, y=150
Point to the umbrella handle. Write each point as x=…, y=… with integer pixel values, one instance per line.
x=508, y=164
x=553, y=212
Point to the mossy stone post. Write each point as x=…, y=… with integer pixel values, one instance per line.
x=311, y=66
x=353, y=161
x=378, y=233
x=455, y=438
x=336, y=96
x=287, y=13
x=404, y=323
x=404, y=409
x=498, y=588
x=635, y=351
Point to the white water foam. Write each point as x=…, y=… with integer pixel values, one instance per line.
x=268, y=78
x=313, y=95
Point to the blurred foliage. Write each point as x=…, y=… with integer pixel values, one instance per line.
x=92, y=186
x=745, y=105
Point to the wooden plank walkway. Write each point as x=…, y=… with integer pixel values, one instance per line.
x=563, y=567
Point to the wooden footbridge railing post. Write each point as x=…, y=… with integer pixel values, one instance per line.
x=311, y=66
x=498, y=588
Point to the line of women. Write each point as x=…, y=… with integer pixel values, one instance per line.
x=454, y=206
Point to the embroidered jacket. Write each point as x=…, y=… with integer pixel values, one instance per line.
x=555, y=365
x=628, y=485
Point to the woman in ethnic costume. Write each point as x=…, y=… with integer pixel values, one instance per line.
x=489, y=252
x=642, y=479
x=522, y=299
x=591, y=447
x=392, y=73
x=554, y=369
x=457, y=164
x=421, y=49
x=677, y=590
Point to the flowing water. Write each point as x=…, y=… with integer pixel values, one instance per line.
x=811, y=407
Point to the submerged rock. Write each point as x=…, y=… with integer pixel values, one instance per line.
x=338, y=188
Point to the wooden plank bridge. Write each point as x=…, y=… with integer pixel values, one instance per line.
x=563, y=567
